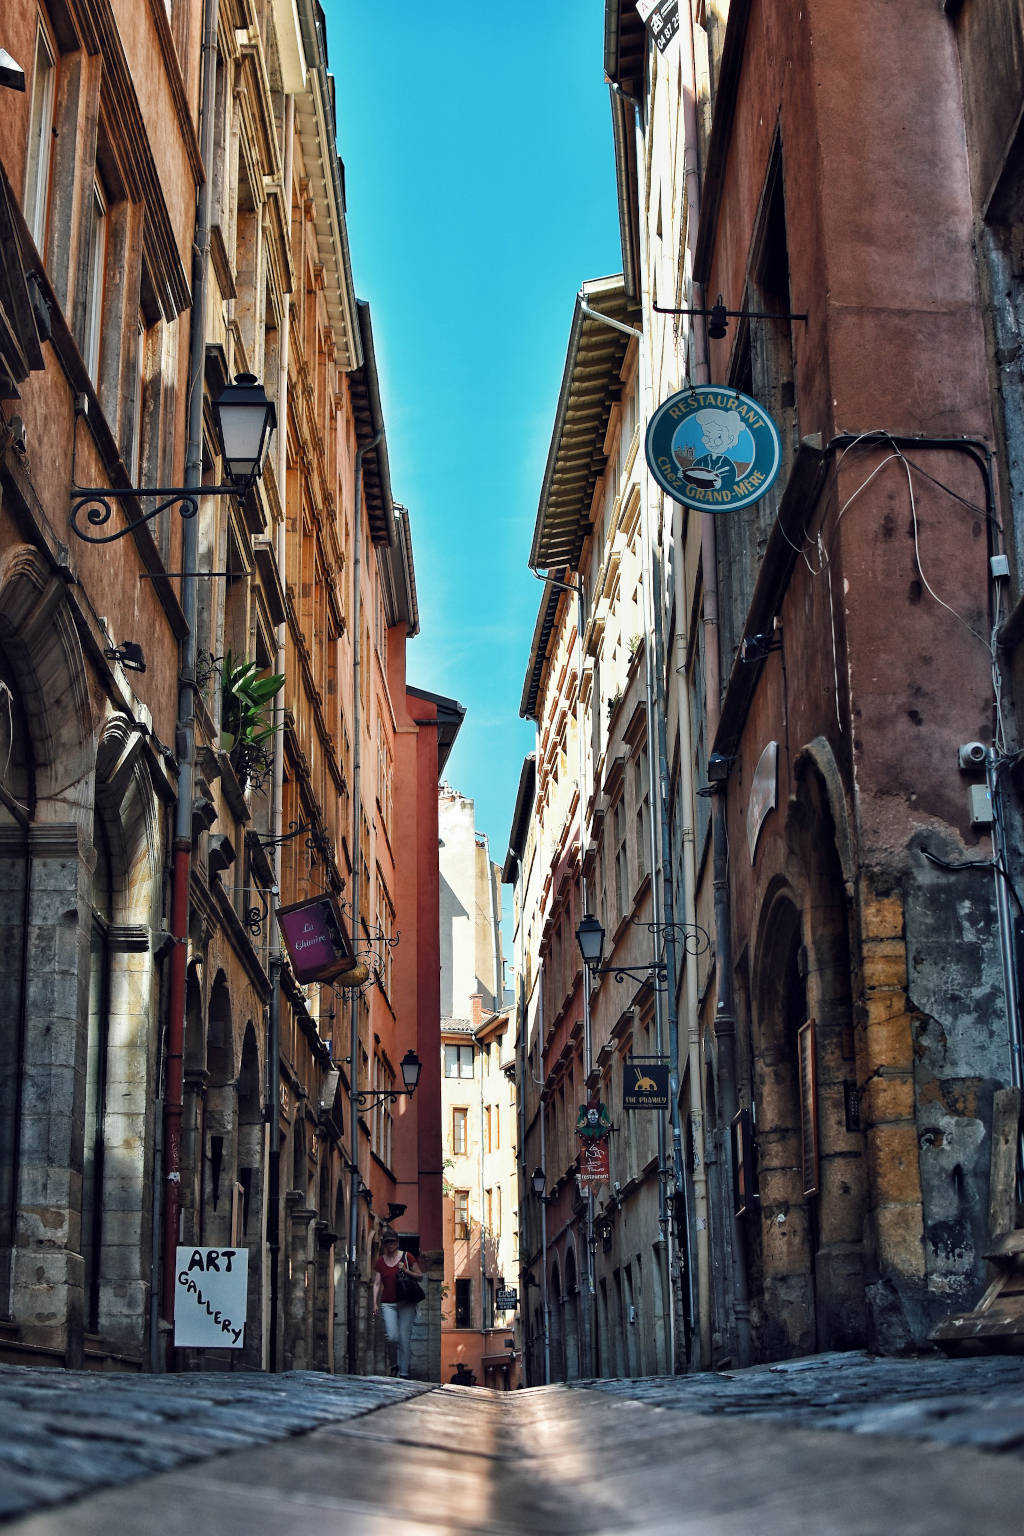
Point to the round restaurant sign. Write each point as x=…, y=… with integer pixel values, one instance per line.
x=713, y=449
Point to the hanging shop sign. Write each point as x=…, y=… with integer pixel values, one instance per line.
x=506, y=1300
x=593, y=1166
x=593, y=1122
x=644, y=1084
x=713, y=449
x=211, y=1287
x=662, y=18
x=764, y=792
x=315, y=938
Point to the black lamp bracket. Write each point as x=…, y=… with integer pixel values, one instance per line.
x=718, y=311
x=96, y=502
x=364, y=1097
x=655, y=972
x=694, y=939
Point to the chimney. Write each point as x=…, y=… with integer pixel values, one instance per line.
x=476, y=1004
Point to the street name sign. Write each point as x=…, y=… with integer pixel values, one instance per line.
x=211, y=1287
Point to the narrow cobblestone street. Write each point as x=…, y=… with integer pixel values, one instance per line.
x=839, y=1445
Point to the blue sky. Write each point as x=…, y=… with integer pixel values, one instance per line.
x=481, y=193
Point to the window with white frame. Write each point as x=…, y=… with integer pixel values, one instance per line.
x=458, y=1061
x=40, y=139
x=460, y=1131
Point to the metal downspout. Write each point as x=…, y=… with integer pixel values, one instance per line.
x=276, y=955
x=353, y=1063
x=185, y=731
x=725, y=1017
x=589, y=1308
x=657, y=767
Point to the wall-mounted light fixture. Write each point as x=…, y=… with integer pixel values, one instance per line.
x=245, y=419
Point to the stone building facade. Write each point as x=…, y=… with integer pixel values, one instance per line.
x=831, y=689
x=310, y=575
x=602, y=1267
x=478, y=1111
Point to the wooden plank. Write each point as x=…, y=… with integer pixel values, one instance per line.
x=1002, y=1195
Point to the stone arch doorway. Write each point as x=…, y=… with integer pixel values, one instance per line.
x=573, y=1353
x=556, y=1326
x=340, y=1277
x=219, y=1148
x=17, y=813
x=809, y=1149
x=247, y=1192
x=323, y=1271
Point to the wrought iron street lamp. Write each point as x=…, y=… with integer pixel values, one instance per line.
x=539, y=1182
x=590, y=938
x=410, y=1067
x=245, y=420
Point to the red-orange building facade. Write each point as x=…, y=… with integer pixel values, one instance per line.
x=309, y=574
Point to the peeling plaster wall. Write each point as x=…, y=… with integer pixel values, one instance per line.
x=960, y=1058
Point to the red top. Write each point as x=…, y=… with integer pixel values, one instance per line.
x=388, y=1277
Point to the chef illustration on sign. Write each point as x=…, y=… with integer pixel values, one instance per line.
x=717, y=468
x=712, y=448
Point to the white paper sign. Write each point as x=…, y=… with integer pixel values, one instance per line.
x=211, y=1286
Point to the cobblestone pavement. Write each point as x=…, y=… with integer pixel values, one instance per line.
x=63, y=1433
x=391, y=1457
x=960, y=1402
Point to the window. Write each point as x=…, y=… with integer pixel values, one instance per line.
x=489, y=1209
x=382, y=1125
x=489, y=1305
x=460, y=1121
x=487, y=1129
x=621, y=863
x=135, y=453
x=642, y=788
x=496, y=1127
x=462, y=1214
x=97, y=234
x=463, y=1303
x=40, y=140
x=386, y=924
x=458, y=1061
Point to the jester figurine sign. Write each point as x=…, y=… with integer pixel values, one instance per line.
x=593, y=1123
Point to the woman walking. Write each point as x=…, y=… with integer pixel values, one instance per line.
x=396, y=1294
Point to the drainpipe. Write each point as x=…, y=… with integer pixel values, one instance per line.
x=185, y=730
x=657, y=767
x=725, y=1014
x=352, y=1278
x=545, y=1305
x=273, y=1204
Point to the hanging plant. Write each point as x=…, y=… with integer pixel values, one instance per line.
x=247, y=720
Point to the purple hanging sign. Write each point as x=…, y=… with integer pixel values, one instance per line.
x=315, y=938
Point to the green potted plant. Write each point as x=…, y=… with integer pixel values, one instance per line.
x=247, y=722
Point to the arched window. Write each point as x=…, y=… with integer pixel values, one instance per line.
x=101, y=901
